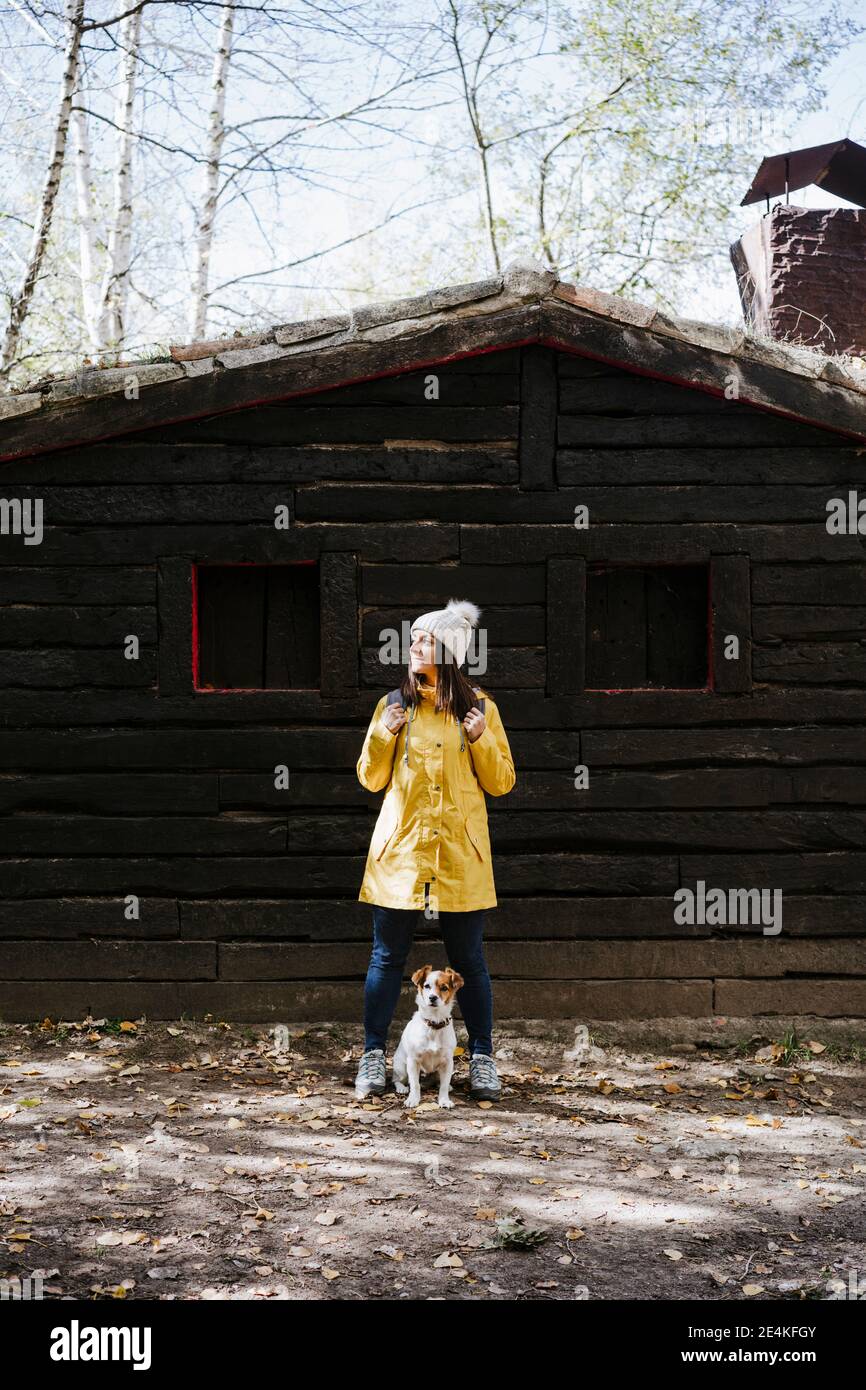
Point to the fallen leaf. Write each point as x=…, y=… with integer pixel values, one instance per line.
x=121, y=1238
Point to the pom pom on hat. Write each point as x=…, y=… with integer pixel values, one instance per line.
x=462, y=608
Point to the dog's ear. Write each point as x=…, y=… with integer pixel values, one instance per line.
x=457, y=980
x=421, y=975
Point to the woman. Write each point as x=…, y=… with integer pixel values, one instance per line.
x=430, y=847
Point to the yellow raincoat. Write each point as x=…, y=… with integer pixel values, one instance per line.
x=432, y=825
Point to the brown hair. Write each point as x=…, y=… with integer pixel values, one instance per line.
x=454, y=694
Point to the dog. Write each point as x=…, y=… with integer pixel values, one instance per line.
x=428, y=1040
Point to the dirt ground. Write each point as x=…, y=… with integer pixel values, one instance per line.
x=717, y=1159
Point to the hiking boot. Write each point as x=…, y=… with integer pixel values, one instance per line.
x=484, y=1083
x=371, y=1074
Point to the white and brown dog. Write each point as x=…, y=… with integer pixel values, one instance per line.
x=428, y=1040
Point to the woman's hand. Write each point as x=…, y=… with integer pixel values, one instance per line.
x=474, y=724
x=394, y=717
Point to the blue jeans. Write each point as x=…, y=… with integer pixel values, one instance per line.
x=393, y=930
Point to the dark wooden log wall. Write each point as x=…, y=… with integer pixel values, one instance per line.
x=118, y=779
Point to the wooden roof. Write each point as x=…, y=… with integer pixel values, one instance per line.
x=526, y=304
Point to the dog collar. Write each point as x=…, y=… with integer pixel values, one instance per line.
x=443, y=1022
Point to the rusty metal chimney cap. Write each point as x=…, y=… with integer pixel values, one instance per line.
x=840, y=168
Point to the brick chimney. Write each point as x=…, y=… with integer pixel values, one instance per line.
x=801, y=272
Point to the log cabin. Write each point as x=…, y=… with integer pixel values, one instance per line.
x=192, y=647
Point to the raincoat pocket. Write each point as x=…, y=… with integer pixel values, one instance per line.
x=477, y=839
x=385, y=829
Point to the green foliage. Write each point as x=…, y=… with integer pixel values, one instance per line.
x=621, y=142
x=513, y=1234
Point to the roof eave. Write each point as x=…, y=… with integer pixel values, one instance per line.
x=531, y=309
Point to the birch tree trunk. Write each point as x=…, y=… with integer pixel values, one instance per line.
x=471, y=79
x=115, y=288
x=42, y=229
x=86, y=225
x=216, y=136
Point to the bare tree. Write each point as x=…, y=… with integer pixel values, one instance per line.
x=215, y=139
x=472, y=72
x=320, y=92
x=88, y=254
x=115, y=289
x=42, y=228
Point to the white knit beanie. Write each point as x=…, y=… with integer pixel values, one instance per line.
x=451, y=625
